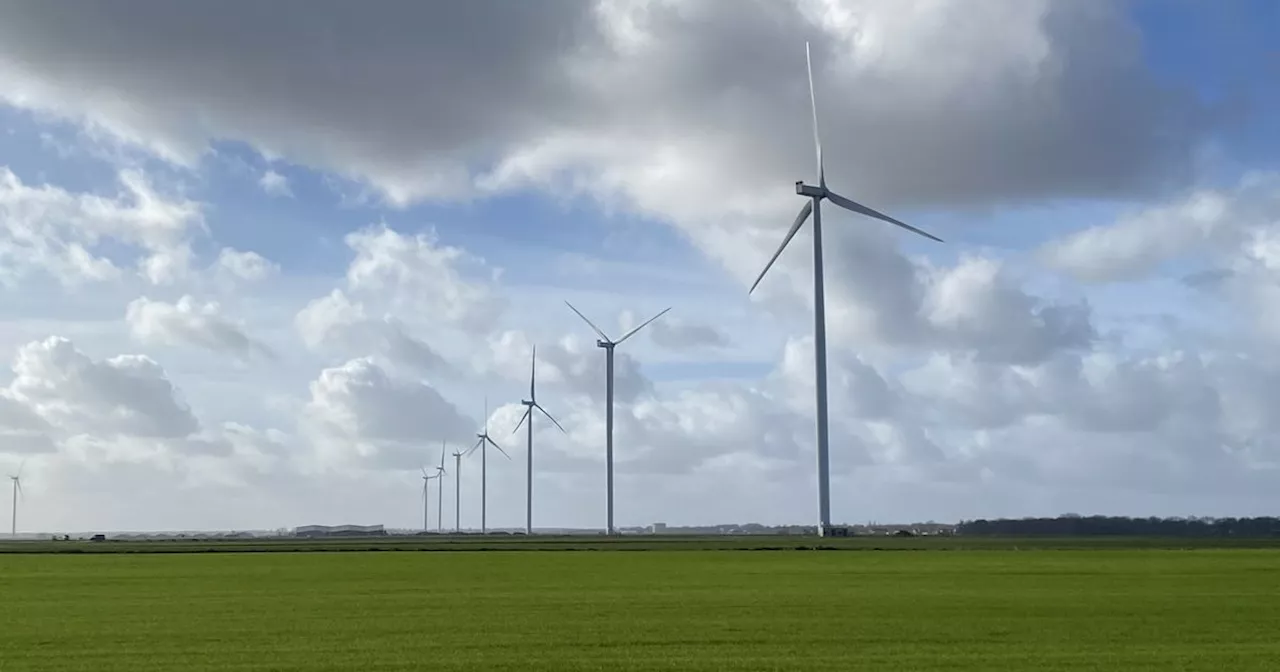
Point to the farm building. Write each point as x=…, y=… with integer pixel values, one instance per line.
x=339, y=531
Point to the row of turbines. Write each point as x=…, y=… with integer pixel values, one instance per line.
x=815, y=194
x=484, y=441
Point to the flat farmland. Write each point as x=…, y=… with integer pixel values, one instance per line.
x=1204, y=609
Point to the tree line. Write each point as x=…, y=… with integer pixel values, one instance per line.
x=1074, y=525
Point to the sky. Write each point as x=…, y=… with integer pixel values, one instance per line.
x=259, y=261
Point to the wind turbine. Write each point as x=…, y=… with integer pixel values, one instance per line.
x=483, y=443
x=530, y=404
x=426, y=499
x=17, y=490
x=813, y=206
x=457, y=492
x=440, y=473
x=608, y=346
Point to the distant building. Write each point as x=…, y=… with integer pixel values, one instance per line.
x=340, y=531
x=658, y=528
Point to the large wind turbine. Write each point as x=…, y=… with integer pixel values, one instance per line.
x=813, y=206
x=483, y=443
x=530, y=404
x=608, y=346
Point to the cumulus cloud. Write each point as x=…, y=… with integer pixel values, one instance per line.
x=275, y=184
x=418, y=274
x=187, y=322
x=127, y=395
x=248, y=266
x=361, y=413
x=48, y=230
x=334, y=321
x=1206, y=220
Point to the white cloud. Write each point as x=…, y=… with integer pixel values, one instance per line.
x=48, y=230
x=125, y=395
x=361, y=413
x=334, y=321
x=417, y=274
x=1207, y=220
x=186, y=322
x=275, y=184
x=245, y=265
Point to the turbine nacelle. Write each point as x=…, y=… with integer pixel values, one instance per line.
x=810, y=191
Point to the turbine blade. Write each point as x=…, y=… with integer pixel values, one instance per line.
x=813, y=102
x=495, y=445
x=864, y=210
x=424, y=471
x=472, y=449
x=642, y=326
x=442, y=449
x=544, y=412
x=589, y=322
x=533, y=372
x=522, y=419
x=795, y=227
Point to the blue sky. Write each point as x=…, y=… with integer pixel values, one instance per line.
x=597, y=170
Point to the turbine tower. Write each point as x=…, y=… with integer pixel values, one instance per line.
x=608, y=346
x=17, y=491
x=17, y=488
x=440, y=474
x=483, y=443
x=813, y=206
x=457, y=492
x=426, y=499
x=530, y=404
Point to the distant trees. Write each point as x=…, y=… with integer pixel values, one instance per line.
x=1070, y=525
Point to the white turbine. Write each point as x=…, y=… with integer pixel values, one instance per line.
x=608, y=346
x=440, y=474
x=483, y=443
x=17, y=490
x=530, y=404
x=813, y=206
x=457, y=492
x=426, y=499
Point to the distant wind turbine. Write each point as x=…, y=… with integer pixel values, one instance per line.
x=426, y=499
x=530, y=404
x=816, y=194
x=608, y=346
x=17, y=490
x=457, y=492
x=483, y=443
x=440, y=474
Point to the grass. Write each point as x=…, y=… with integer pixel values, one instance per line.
x=1210, y=609
x=630, y=543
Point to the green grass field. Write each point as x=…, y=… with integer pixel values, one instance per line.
x=1211, y=609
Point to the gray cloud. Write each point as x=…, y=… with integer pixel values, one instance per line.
x=674, y=333
x=960, y=104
